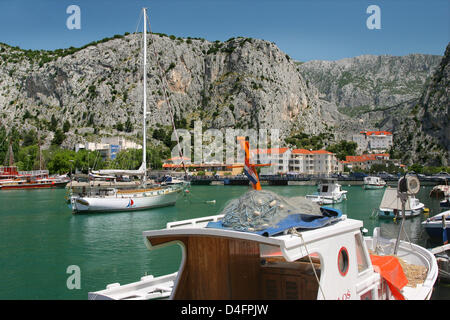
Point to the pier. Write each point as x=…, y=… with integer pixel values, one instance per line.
x=292, y=180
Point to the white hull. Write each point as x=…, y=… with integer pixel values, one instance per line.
x=126, y=202
x=374, y=186
x=389, y=213
x=327, y=199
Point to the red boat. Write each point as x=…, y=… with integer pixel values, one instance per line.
x=11, y=178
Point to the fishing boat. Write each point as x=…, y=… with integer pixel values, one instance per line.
x=168, y=180
x=440, y=191
x=328, y=192
x=264, y=246
x=305, y=257
x=374, y=183
x=117, y=199
x=11, y=178
x=436, y=226
x=390, y=206
x=445, y=203
x=442, y=254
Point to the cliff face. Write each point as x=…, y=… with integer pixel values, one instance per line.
x=357, y=85
x=424, y=134
x=241, y=83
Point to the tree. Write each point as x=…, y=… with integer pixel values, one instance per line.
x=343, y=148
x=58, y=137
x=128, y=125
x=66, y=126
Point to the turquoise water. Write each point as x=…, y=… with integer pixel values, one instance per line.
x=40, y=237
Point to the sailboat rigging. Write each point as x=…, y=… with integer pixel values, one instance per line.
x=143, y=197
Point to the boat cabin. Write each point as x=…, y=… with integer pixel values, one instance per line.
x=326, y=263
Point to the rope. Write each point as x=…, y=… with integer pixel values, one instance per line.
x=295, y=232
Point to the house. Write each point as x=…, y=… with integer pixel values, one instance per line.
x=365, y=161
x=373, y=141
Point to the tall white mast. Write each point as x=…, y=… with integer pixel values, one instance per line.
x=144, y=143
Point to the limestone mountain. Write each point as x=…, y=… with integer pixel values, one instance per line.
x=240, y=83
x=424, y=134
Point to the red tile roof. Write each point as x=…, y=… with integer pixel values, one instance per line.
x=377, y=133
x=304, y=151
x=270, y=151
x=365, y=157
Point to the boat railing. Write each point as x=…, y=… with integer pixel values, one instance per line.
x=34, y=173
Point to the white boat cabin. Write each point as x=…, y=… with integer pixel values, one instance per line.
x=332, y=262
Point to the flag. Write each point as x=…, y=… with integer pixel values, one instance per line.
x=250, y=174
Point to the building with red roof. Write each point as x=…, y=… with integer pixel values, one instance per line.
x=373, y=141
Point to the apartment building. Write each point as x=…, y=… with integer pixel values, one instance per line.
x=278, y=157
x=314, y=162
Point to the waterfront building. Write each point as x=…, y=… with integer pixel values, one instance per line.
x=278, y=157
x=314, y=162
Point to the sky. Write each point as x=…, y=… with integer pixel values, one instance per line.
x=304, y=29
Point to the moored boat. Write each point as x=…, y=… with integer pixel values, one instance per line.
x=137, y=198
x=390, y=206
x=305, y=257
x=436, y=226
x=374, y=183
x=11, y=178
x=328, y=192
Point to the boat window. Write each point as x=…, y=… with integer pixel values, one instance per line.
x=325, y=188
x=343, y=263
x=360, y=256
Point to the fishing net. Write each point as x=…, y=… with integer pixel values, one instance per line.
x=258, y=210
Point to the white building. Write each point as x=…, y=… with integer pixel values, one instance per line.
x=373, y=141
x=278, y=157
x=108, y=147
x=300, y=161
x=314, y=162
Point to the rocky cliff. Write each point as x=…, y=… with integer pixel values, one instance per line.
x=240, y=83
x=424, y=133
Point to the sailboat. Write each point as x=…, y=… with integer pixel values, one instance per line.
x=120, y=199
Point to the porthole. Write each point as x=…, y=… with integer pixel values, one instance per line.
x=343, y=261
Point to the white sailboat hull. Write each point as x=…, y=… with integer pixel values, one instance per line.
x=127, y=202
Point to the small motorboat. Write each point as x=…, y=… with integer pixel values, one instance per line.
x=328, y=192
x=373, y=183
x=390, y=206
x=438, y=226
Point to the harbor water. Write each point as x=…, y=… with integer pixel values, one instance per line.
x=41, y=241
